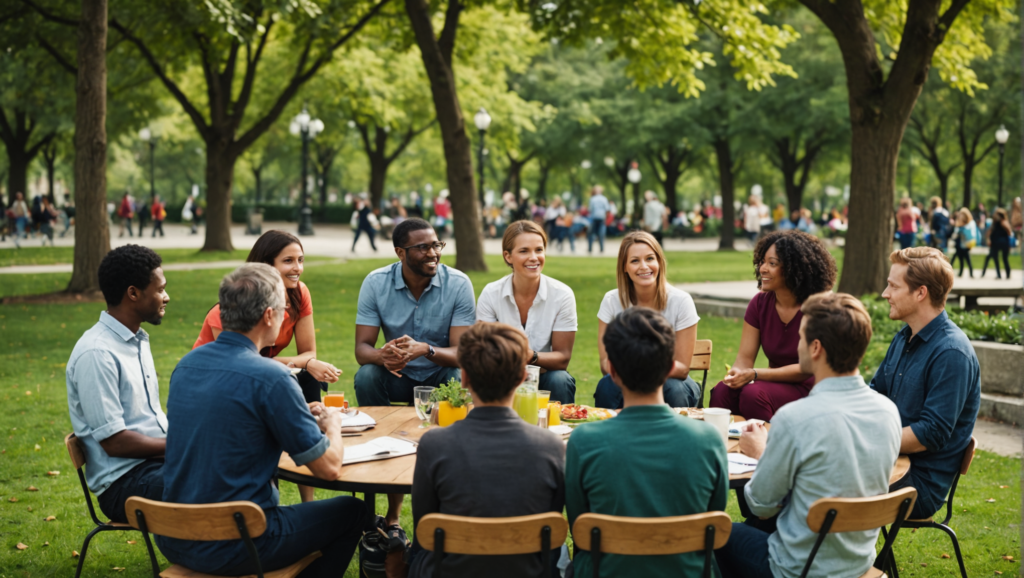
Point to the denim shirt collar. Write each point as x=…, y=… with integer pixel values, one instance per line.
x=237, y=340
x=933, y=327
x=120, y=330
x=396, y=271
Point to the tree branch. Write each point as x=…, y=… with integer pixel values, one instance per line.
x=50, y=15
x=252, y=62
x=63, y=62
x=446, y=41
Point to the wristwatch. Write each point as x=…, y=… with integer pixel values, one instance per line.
x=533, y=360
x=430, y=350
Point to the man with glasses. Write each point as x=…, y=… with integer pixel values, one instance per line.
x=423, y=307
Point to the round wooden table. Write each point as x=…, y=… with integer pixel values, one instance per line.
x=392, y=476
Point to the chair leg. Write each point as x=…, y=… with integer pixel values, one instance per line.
x=956, y=548
x=85, y=548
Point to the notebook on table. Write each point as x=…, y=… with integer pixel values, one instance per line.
x=357, y=423
x=379, y=449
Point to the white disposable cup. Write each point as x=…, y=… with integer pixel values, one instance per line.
x=720, y=418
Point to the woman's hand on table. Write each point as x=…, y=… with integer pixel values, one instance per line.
x=753, y=440
x=323, y=371
x=738, y=377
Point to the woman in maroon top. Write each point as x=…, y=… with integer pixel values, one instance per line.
x=790, y=266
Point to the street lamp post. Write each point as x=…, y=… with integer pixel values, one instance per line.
x=634, y=177
x=307, y=127
x=1002, y=135
x=482, y=120
x=147, y=137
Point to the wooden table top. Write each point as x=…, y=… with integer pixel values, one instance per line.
x=403, y=423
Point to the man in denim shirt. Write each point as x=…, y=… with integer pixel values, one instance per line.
x=232, y=413
x=113, y=394
x=931, y=372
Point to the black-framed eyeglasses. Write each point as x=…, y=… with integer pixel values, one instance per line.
x=437, y=246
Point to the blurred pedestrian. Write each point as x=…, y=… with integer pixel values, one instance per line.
x=655, y=217
x=188, y=214
x=999, y=234
x=159, y=213
x=362, y=218
x=598, y=209
x=126, y=211
x=906, y=223
x=19, y=212
x=965, y=238
x=47, y=217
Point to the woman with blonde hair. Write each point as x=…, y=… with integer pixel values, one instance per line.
x=544, y=308
x=965, y=237
x=642, y=282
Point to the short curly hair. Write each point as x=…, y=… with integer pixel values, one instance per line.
x=124, y=267
x=807, y=265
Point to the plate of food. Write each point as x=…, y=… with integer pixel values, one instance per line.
x=584, y=413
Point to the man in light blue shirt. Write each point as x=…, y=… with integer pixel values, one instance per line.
x=598, y=209
x=113, y=394
x=423, y=308
x=842, y=440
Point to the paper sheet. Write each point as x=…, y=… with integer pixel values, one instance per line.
x=357, y=423
x=740, y=464
x=378, y=449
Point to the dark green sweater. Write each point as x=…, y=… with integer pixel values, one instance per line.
x=647, y=462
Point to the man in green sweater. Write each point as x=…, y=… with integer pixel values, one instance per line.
x=648, y=461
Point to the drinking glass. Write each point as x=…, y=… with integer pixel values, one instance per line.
x=532, y=380
x=543, y=398
x=542, y=417
x=334, y=399
x=421, y=396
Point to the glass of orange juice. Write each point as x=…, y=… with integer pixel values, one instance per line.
x=554, y=413
x=543, y=398
x=335, y=399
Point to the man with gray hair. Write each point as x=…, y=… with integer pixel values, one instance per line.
x=234, y=412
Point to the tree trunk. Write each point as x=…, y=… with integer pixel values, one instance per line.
x=968, y=177
x=944, y=189
x=874, y=155
x=378, y=175
x=17, y=176
x=457, y=153
x=51, y=162
x=723, y=152
x=220, y=172
x=92, y=235
x=672, y=176
x=257, y=177
x=542, y=180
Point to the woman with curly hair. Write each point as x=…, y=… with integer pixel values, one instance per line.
x=790, y=266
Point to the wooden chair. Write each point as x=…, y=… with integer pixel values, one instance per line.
x=965, y=464
x=445, y=534
x=77, y=453
x=206, y=522
x=601, y=534
x=835, y=515
x=701, y=360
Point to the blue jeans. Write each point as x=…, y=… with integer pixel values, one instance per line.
x=376, y=386
x=561, y=385
x=332, y=527
x=907, y=239
x=145, y=480
x=677, y=392
x=596, y=230
x=745, y=555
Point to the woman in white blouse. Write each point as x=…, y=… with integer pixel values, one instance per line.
x=642, y=282
x=544, y=308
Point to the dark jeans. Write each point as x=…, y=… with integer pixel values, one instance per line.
x=997, y=247
x=745, y=555
x=677, y=393
x=145, y=480
x=561, y=385
x=369, y=233
x=597, y=229
x=332, y=527
x=158, y=226
x=907, y=239
x=376, y=386
x=964, y=254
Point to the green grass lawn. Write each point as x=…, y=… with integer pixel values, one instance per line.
x=38, y=339
x=55, y=255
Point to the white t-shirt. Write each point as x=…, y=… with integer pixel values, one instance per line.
x=553, y=309
x=766, y=215
x=752, y=219
x=679, y=311
x=654, y=214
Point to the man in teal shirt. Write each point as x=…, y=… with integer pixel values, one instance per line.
x=649, y=461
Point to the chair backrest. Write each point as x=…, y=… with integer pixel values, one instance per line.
x=858, y=514
x=701, y=355
x=965, y=464
x=491, y=536
x=75, y=450
x=201, y=522
x=651, y=536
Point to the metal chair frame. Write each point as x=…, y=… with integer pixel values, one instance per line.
x=100, y=526
x=883, y=556
x=243, y=531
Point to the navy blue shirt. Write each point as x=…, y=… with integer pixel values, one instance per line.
x=935, y=381
x=231, y=414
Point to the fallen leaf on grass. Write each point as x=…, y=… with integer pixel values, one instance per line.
x=38, y=447
x=13, y=499
x=990, y=500
x=46, y=543
x=1008, y=558
x=944, y=556
x=74, y=553
x=131, y=541
x=49, y=518
x=924, y=564
x=1003, y=487
x=118, y=568
x=28, y=393
x=998, y=573
x=30, y=508
x=53, y=473
x=32, y=489
x=21, y=546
